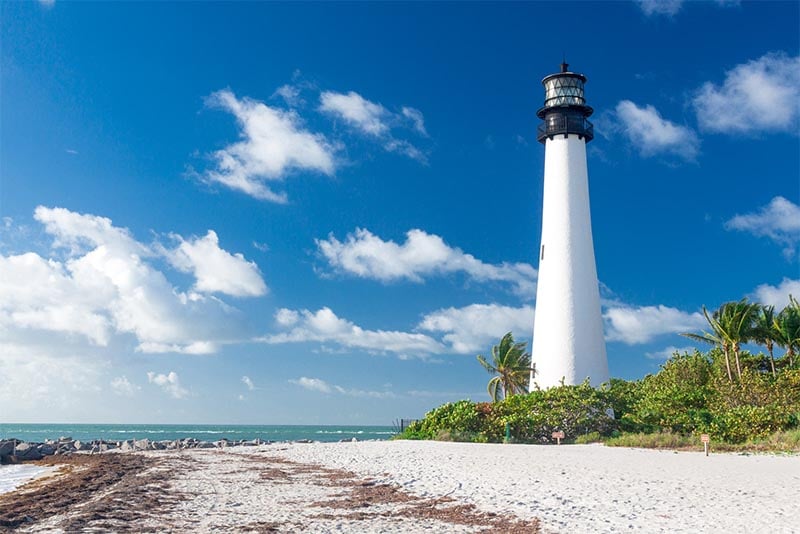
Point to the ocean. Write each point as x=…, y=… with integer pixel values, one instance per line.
x=39, y=433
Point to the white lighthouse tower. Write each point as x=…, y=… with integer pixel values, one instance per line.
x=568, y=341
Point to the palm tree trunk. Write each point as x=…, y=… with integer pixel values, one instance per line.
x=727, y=362
x=771, y=358
x=736, y=356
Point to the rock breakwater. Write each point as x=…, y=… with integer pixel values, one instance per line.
x=14, y=450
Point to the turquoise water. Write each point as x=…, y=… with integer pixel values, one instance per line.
x=38, y=433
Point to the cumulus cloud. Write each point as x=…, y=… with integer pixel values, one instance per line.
x=319, y=385
x=660, y=7
x=326, y=327
x=643, y=324
x=273, y=144
x=777, y=296
x=653, y=135
x=123, y=387
x=170, y=383
x=762, y=95
x=217, y=270
x=356, y=110
x=104, y=286
x=375, y=121
x=249, y=383
x=368, y=256
x=476, y=327
x=779, y=220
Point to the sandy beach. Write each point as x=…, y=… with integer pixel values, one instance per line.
x=403, y=486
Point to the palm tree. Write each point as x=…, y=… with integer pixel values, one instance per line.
x=511, y=364
x=764, y=331
x=787, y=329
x=715, y=337
x=731, y=325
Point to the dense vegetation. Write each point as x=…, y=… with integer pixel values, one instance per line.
x=733, y=395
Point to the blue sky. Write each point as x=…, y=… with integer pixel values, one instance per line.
x=320, y=213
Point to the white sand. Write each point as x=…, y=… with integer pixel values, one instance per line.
x=585, y=488
x=570, y=489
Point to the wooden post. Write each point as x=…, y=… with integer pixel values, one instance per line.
x=705, y=439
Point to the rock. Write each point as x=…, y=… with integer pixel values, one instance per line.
x=47, y=449
x=28, y=451
x=205, y=445
x=127, y=446
x=7, y=448
x=62, y=439
x=142, y=444
x=81, y=445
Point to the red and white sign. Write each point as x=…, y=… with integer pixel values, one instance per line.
x=558, y=435
x=704, y=438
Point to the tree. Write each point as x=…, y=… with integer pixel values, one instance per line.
x=511, y=364
x=787, y=329
x=731, y=325
x=764, y=331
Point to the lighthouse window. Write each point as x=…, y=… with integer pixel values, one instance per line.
x=540, y=259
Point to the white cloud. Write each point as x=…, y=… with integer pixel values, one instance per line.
x=170, y=383
x=660, y=7
x=290, y=94
x=217, y=270
x=405, y=148
x=274, y=143
x=356, y=110
x=319, y=385
x=312, y=384
x=643, y=324
x=477, y=327
x=105, y=286
x=123, y=387
x=36, y=293
x=416, y=118
x=368, y=256
x=668, y=352
x=37, y=378
x=376, y=121
x=777, y=296
x=47, y=3
x=653, y=135
x=762, y=95
x=249, y=383
x=324, y=326
x=779, y=220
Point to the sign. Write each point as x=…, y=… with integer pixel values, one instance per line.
x=704, y=438
x=558, y=436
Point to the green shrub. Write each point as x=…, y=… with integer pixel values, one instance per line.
x=591, y=437
x=690, y=395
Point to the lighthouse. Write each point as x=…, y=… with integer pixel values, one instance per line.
x=568, y=343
